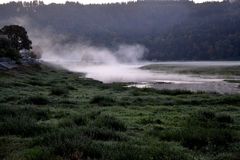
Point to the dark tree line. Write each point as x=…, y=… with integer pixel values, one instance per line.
x=171, y=30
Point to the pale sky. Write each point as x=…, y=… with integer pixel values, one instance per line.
x=88, y=1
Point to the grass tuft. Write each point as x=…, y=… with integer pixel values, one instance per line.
x=110, y=122
x=103, y=101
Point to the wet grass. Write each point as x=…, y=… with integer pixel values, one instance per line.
x=54, y=114
x=199, y=70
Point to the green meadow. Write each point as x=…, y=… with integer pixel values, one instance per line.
x=48, y=113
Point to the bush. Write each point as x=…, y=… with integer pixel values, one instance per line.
x=72, y=122
x=31, y=112
x=166, y=134
x=103, y=101
x=63, y=142
x=147, y=91
x=125, y=151
x=68, y=141
x=227, y=156
x=201, y=131
x=197, y=138
x=80, y=120
x=7, y=111
x=206, y=130
x=110, y=122
x=38, y=100
x=36, y=153
x=22, y=125
x=10, y=53
x=58, y=91
x=128, y=151
x=37, y=83
x=223, y=118
x=102, y=134
x=194, y=138
x=209, y=119
x=150, y=120
x=205, y=115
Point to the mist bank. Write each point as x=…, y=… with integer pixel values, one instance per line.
x=124, y=63
x=170, y=30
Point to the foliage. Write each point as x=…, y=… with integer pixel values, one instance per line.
x=18, y=37
x=111, y=123
x=10, y=53
x=58, y=91
x=13, y=38
x=193, y=126
x=37, y=100
x=103, y=101
x=171, y=30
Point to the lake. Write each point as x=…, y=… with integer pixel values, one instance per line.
x=210, y=76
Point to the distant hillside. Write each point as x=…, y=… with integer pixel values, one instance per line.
x=171, y=30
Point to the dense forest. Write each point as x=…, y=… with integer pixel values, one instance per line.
x=171, y=30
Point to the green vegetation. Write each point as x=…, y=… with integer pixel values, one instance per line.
x=9, y=52
x=54, y=114
x=169, y=29
x=13, y=38
x=198, y=70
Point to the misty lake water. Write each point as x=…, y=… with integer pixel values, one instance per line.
x=135, y=75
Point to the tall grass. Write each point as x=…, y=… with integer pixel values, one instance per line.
x=21, y=125
x=110, y=122
x=103, y=101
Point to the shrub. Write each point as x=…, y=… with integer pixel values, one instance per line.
x=38, y=100
x=39, y=114
x=110, y=122
x=22, y=125
x=168, y=152
x=72, y=122
x=102, y=134
x=223, y=118
x=147, y=91
x=10, y=53
x=62, y=141
x=36, y=153
x=36, y=83
x=94, y=114
x=13, y=111
x=66, y=122
x=227, y=156
x=128, y=151
x=205, y=129
x=209, y=119
x=80, y=120
x=125, y=151
x=68, y=141
x=194, y=138
x=230, y=100
x=205, y=115
x=150, y=120
x=206, y=119
x=103, y=101
x=165, y=134
x=58, y=91
x=7, y=111
x=197, y=138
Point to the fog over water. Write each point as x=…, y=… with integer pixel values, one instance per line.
x=121, y=64
x=113, y=65
x=109, y=73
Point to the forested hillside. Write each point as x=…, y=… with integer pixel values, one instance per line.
x=171, y=30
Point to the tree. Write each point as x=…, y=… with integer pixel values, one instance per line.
x=18, y=37
x=6, y=49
